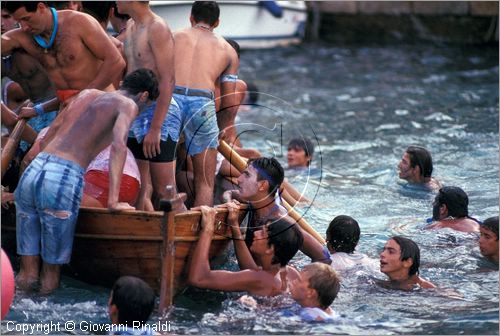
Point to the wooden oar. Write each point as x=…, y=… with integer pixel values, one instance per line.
x=12, y=144
x=241, y=164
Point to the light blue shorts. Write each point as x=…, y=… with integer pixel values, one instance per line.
x=199, y=121
x=47, y=201
x=171, y=125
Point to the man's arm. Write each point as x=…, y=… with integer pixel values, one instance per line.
x=118, y=153
x=99, y=44
x=245, y=259
x=10, y=41
x=200, y=274
x=313, y=249
x=229, y=102
x=162, y=46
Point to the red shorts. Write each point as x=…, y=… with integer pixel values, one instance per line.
x=97, y=186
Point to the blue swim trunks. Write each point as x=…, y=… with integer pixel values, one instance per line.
x=199, y=120
x=171, y=125
x=39, y=122
x=47, y=201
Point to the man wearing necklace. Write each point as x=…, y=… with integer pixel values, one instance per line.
x=154, y=134
x=450, y=210
x=257, y=186
x=201, y=59
x=71, y=46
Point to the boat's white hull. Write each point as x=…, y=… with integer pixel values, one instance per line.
x=251, y=25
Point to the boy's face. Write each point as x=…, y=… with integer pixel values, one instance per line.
x=390, y=258
x=248, y=184
x=488, y=243
x=297, y=157
x=299, y=288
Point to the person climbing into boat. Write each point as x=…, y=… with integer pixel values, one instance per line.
x=48, y=196
x=416, y=167
x=450, y=209
x=202, y=58
x=257, y=186
x=400, y=261
x=273, y=244
x=488, y=240
x=130, y=305
x=153, y=137
x=84, y=58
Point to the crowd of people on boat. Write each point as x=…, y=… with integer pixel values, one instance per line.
x=114, y=119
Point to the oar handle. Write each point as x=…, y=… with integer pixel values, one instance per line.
x=240, y=163
x=12, y=144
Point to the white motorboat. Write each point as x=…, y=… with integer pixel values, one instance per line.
x=253, y=24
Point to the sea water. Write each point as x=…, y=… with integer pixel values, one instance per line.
x=361, y=106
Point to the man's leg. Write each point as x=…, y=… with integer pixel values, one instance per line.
x=49, y=278
x=163, y=175
x=204, y=176
x=144, y=198
x=29, y=272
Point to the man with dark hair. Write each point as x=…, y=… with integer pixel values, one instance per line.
x=416, y=167
x=274, y=244
x=130, y=304
x=450, y=210
x=257, y=186
x=488, y=240
x=342, y=236
x=201, y=59
x=71, y=46
x=154, y=134
x=49, y=192
x=118, y=21
x=300, y=153
x=400, y=261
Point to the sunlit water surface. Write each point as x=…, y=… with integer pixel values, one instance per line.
x=362, y=106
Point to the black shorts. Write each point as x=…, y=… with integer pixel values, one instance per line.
x=167, y=148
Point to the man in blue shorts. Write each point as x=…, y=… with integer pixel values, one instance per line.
x=201, y=59
x=49, y=193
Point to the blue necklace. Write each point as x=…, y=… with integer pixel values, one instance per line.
x=40, y=41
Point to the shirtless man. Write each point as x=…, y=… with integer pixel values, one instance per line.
x=416, y=167
x=201, y=58
x=257, y=186
x=71, y=46
x=274, y=244
x=154, y=134
x=450, y=210
x=49, y=192
x=400, y=261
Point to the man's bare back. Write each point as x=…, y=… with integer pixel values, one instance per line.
x=201, y=57
x=81, y=57
x=85, y=127
x=458, y=224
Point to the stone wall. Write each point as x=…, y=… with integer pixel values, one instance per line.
x=473, y=22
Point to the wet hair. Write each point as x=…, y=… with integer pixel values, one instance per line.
x=141, y=80
x=304, y=144
x=421, y=157
x=134, y=299
x=118, y=14
x=253, y=93
x=343, y=234
x=491, y=224
x=59, y=5
x=286, y=238
x=324, y=280
x=455, y=199
x=269, y=169
x=235, y=46
x=205, y=11
x=409, y=249
x=99, y=10
x=12, y=6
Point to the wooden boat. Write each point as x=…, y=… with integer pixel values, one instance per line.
x=154, y=246
x=253, y=24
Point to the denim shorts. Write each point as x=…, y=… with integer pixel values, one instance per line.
x=47, y=201
x=199, y=122
x=170, y=127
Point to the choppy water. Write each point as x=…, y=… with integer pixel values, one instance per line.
x=363, y=106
